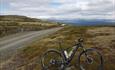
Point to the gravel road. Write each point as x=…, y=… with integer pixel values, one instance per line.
x=9, y=45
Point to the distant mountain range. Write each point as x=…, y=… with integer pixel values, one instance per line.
x=78, y=22
x=87, y=22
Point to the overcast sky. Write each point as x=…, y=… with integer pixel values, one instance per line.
x=60, y=9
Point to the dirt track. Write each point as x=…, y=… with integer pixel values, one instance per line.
x=10, y=44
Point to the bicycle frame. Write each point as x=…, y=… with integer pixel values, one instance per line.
x=66, y=60
x=74, y=50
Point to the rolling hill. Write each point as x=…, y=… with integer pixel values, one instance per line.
x=10, y=24
x=17, y=18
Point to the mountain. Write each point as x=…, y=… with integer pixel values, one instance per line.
x=86, y=22
x=78, y=22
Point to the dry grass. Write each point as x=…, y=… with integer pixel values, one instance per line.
x=11, y=24
x=102, y=38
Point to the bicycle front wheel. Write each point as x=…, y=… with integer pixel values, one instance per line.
x=52, y=60
x=90, y=59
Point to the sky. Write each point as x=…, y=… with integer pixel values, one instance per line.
x=60, y=9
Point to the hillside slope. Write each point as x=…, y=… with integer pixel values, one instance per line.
x=18, y=18
x=101, y=38
x=10, y=24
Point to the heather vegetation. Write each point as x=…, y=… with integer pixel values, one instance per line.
x=11, y=24
x=101, y=38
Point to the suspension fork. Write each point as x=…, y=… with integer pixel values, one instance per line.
x=80, y=45
x=84, y=50
x=88, y=59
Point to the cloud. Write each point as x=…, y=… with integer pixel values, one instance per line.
x=60, y=9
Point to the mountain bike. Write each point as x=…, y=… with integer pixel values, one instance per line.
x=88, y=59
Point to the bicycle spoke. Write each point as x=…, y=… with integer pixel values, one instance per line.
x=52, y=60
x=90, y=60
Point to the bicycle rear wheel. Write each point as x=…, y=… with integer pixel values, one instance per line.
x=52, y=60
x=90, y=59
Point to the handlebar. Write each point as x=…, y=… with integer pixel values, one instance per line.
x=78, y=42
